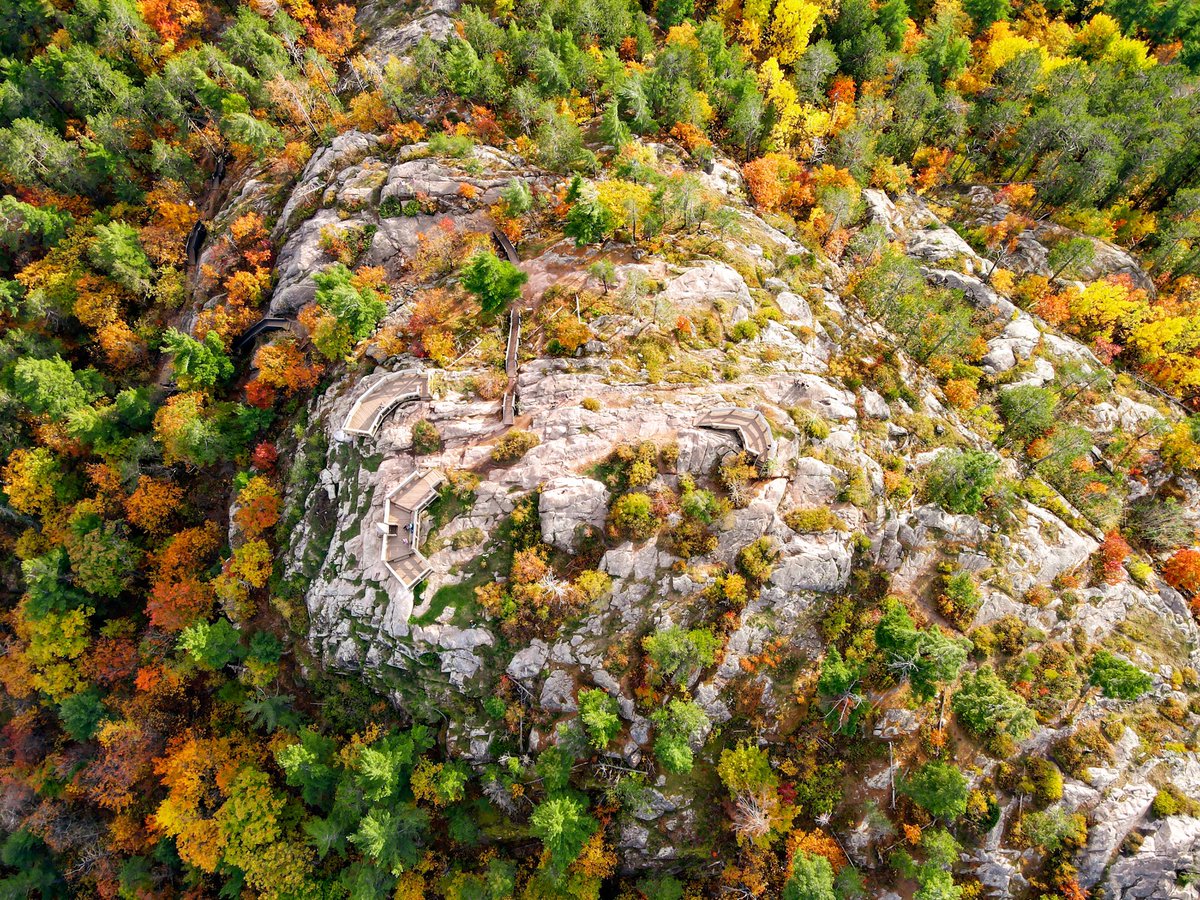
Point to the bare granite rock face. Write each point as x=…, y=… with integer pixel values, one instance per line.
x=395, y=29
x=1113, y=819
x=1171, y=850
x=348, y=185
x=568, y=503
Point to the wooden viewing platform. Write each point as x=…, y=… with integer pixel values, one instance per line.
x=750, y=425
x=401, y=527
x=381, y=398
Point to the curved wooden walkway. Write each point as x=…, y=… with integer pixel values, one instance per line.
x=381, y=398
x=262, y=326
x=505, y=246
x=750, y=425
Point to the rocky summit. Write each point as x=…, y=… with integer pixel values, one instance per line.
x=856, y=422
x=600, y=449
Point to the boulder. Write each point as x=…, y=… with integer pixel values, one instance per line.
x=394, y=30
x=701, y=285
x=897, y=723
x=874, y=405
x=1171, y=849
x=569, y=503
x=702, y=448
x=814, y=393
x=814, y=562
x=558, y=693
x=300, y=257
x=882, y=211
x=813, y=483
x=979, y=294
x=529, y=661
x=940, y=244
x=426, y=176
x=796, y=309
x=631, y=562
x=1044, y=548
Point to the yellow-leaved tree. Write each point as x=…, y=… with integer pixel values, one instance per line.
x=783, y=98
x=791, y=26
x=1102, y=306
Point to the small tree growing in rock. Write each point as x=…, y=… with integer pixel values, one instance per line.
x=985, y=705
x=563, y=824
x=604, y=272
x=425, y=437
x=678, y=724
x=838, y=687
x=757, y=560
x=1028, y=412
x=598, y=712
x=960, y=481
x=674, y=655
x=938, y=788
x=926, y=658
x=735, y=474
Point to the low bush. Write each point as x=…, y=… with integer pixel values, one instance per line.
x=468, y=537
x=809, y=423
x=425, y=437
x=1117, y=678
x=633, y=516
x=814, y=520
x=745, y=330
x=514, y=445
x=1084, y=748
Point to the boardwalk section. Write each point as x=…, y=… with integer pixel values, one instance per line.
x=401, y=527
x=262, y=326
x=195, y=242
x=505, y=246
x=750, y=425
x=514, y=342
x=381, y=398
x=509, y=405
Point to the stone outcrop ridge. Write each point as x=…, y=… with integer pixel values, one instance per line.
x=362, y=618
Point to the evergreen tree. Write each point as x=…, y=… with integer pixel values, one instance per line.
x=118, y=252
x=197, y=364
x=939, y=788
x=563, y=824
x=496, y=282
